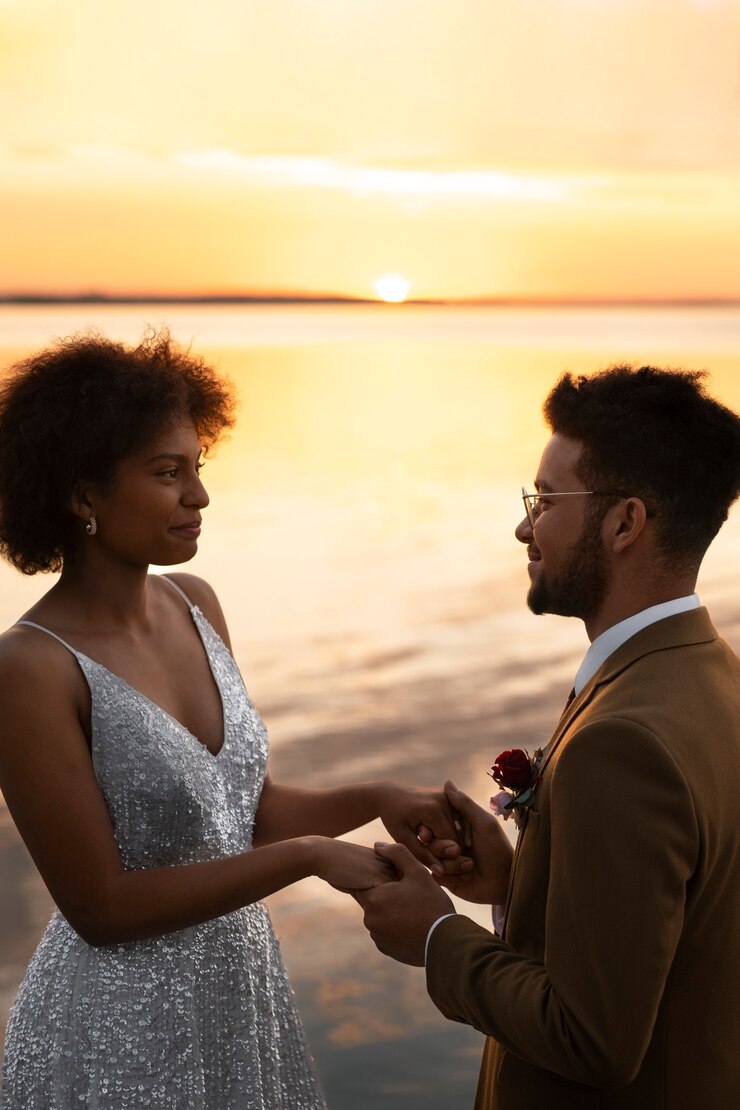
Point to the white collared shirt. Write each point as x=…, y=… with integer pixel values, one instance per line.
x=608, y=642
x=598, y=653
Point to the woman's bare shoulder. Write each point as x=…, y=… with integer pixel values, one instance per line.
x=26, y=649
x=202, y=594
x=31, y=661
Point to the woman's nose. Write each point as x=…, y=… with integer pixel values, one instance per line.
x=197, y=495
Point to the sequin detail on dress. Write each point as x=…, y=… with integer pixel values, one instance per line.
x=200, y=1019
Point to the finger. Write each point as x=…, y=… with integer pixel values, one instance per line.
x=456, y=866
x=469, y=810
x=441, y=821
x=444, y=849
x=456, y=823
x=401, y=858
x=415, y=847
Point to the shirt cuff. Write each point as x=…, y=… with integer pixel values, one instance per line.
x=432, y=927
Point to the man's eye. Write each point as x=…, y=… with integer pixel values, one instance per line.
x=171, y=473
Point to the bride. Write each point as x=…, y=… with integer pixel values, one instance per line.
x=134, y=763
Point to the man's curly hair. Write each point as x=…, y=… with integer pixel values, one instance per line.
x=72, y=412
x=658, y=435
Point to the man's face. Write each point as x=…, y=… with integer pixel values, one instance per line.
x=568, y=569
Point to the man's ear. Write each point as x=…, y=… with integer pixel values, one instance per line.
x=626, y=523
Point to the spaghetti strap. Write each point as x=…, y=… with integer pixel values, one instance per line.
x=175, y=586
x=32, y=624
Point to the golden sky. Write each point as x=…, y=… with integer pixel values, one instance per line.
x=555, y=148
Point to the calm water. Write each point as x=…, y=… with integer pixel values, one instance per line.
x=360, y=536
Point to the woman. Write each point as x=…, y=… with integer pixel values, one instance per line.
x=133, y=761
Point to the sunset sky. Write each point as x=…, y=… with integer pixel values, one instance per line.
x=543, y=148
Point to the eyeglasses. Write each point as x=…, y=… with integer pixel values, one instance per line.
x=532, y=500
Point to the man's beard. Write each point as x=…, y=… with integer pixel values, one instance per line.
x=581, y=587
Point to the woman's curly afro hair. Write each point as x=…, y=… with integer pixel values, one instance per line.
x=72, y=412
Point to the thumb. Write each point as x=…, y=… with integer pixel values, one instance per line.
x=401, y=858
x=464, y=805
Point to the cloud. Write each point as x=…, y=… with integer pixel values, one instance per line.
x=330, y=173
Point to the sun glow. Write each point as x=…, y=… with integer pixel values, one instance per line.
x=392, y=288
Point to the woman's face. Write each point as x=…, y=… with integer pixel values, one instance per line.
x=152, y=514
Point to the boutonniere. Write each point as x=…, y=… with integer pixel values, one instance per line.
x=518, y=773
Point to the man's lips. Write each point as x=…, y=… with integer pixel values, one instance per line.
x=534, y=558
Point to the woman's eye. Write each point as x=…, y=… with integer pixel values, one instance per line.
x=173, y=471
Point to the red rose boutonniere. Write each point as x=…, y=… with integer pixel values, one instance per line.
x=518, y=773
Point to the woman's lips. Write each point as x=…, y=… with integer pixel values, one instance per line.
x=190, y=531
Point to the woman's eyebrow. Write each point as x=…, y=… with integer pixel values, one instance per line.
x=172, y=455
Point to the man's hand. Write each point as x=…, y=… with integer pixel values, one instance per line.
x=398, y=915
x=489, y=846
x=403, y=810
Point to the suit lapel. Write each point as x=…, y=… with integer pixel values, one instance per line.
x=570, y=713
x=693, y=627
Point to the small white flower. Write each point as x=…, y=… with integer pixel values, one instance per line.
x=499, y=803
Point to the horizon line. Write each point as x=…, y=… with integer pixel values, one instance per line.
x=20, y=299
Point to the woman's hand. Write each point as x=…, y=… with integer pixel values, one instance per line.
x=404, y=810
x=349, y=866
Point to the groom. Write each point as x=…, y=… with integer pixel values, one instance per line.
x=613, y=979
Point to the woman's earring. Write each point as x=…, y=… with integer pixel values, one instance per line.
x=92, y=526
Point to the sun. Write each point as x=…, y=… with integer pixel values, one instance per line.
x=392, y=288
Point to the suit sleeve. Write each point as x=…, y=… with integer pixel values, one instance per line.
x=624, y=844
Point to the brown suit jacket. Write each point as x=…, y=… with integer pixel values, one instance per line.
x=617, y=983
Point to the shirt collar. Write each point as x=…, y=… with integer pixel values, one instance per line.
x=608, y=642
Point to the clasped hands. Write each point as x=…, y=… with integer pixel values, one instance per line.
x=475, y=865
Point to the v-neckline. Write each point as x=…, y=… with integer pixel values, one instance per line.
x=150, y=701
x=195, y=615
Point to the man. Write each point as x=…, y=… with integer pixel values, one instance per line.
x=615, y=981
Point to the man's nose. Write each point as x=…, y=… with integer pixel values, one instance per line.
x=523, y=531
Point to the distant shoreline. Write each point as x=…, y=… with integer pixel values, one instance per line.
x=22, y=299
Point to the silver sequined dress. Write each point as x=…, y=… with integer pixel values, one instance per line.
x=200, y=1019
